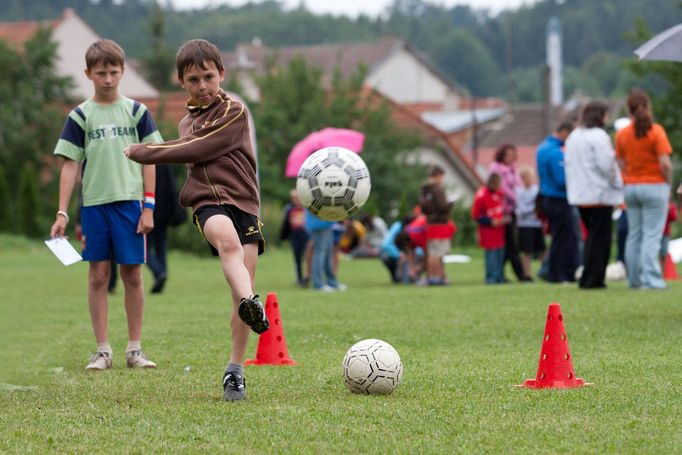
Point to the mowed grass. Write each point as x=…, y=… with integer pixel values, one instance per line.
x=463, y=348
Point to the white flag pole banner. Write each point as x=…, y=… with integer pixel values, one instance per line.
x=64, y=251
x=675, y=250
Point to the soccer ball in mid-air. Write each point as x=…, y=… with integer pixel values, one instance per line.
x=333, y=183
x=372, y=366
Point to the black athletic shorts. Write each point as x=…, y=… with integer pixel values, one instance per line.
x=531, y=240
x=248, y=226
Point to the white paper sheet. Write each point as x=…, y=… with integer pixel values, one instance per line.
x=63, y=250
x=456, y=259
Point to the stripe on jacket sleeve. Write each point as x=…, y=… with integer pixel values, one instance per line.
x=199, y=138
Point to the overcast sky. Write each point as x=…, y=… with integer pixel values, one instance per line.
x=355, y=7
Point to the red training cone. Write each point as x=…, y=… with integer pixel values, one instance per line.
x=555, y=369
x=670, y=270
x=272, y=347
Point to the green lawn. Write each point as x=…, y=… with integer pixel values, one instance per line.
x=463, y=348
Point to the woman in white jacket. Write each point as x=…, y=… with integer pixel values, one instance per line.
x=594, y=184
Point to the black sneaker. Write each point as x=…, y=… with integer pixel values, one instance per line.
x=234, y=387
x=251, y=311
x=159, y=283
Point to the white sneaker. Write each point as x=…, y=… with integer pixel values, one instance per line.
x=100, y=361
x=341, y=287
x=325, y=288
x=138, y=359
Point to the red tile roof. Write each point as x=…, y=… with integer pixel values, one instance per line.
x=326, y=57
x=17, y=33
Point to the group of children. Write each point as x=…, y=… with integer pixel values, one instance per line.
x=417, y=244
x=111, y=143
x=487, y=211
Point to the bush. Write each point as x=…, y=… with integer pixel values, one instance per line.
x=5, y=201
x=272, y=216
x=29, y=207
x=186, y=237
x=466, y=227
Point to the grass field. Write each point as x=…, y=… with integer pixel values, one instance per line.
x=463, y=348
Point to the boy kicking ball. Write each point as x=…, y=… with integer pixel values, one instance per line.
x=221, y=188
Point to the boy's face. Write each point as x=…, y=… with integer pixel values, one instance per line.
x=494, y=184
x=438, y=179
x=105, y=79
x=202, y=84
x=527, y=179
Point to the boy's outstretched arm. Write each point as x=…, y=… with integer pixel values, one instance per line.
x=67, y=181
x=227, y=133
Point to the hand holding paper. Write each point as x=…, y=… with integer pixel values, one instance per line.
x=63, y=250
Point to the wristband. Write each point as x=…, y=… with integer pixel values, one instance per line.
x=64, y=214
x=150, y=194
x=149, y=205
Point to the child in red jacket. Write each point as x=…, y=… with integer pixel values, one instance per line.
x=488, y=213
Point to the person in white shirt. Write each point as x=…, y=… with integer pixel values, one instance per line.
x=594, y=184
x=531, y=237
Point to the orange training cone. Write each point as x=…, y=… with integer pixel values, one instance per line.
x=272, y=347
x=670, y=270
x=555, y=369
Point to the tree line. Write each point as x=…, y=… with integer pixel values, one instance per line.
x=294, y=103
x=488, y=54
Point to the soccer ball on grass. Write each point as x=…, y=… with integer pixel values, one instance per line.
x=372, y=366
x=333, y=183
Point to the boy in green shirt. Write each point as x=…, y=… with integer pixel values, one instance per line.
x=114, y=218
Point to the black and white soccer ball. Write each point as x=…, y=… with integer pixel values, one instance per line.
x=333, y=183
x=373, y=367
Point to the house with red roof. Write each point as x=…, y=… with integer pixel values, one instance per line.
x=421, y=97
x=73, y=37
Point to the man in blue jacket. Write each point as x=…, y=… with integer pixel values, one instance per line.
x=563, y=253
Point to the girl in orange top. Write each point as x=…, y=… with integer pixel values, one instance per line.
x=643, y=153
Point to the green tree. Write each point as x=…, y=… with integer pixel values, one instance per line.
x=467, y=60
x=159, y=62
x=296, y=103
x=31, y=112
x=5, y=204
x=29, y=203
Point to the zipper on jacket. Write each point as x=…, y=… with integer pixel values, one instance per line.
x=208, y=180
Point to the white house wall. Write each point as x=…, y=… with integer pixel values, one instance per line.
x=455, y=185
x=73, y=37
x=404, y=79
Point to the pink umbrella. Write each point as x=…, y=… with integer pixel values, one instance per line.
x=327, y=137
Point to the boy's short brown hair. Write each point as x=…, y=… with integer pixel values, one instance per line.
x=435, y=171
x=104, y=51
x=195, y=53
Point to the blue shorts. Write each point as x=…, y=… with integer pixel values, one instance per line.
x=109, y=232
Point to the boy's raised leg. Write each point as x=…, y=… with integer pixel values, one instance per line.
x=220, y=232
